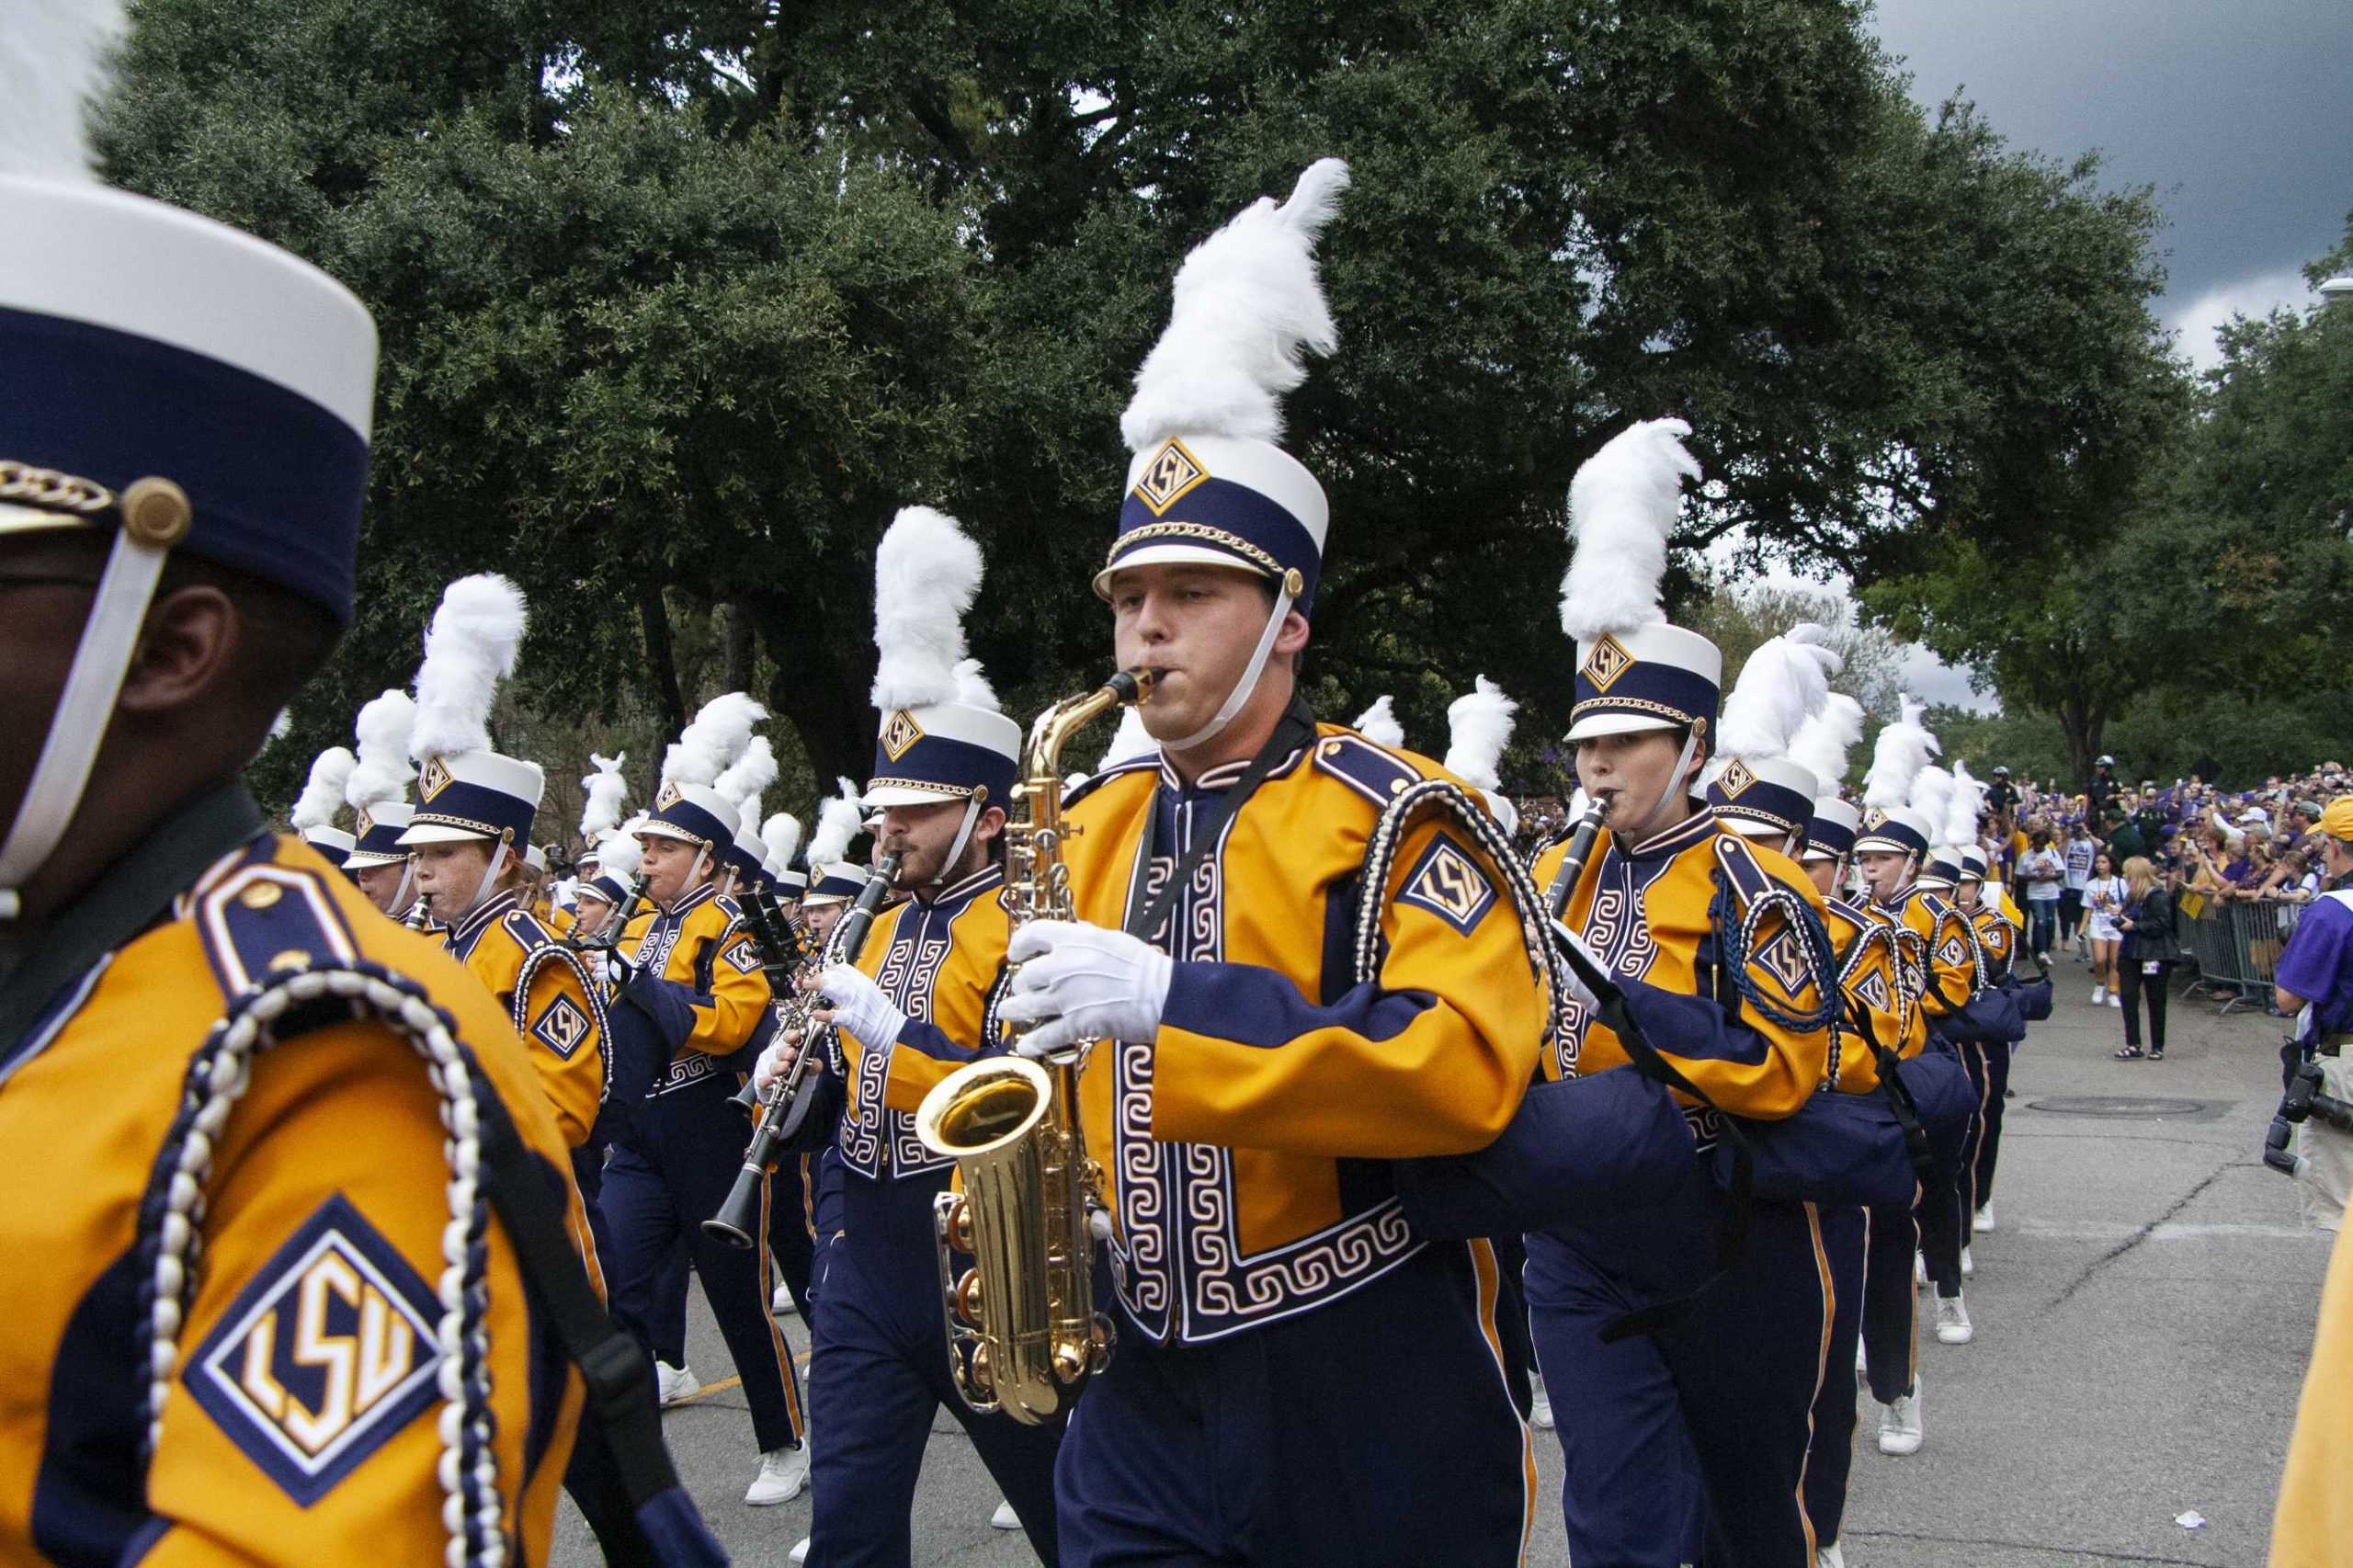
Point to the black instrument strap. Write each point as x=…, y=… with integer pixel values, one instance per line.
x=1294, y=729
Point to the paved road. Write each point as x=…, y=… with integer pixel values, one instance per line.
x=2143, y=1316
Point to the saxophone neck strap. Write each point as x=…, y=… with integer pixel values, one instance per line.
x=1294, y=729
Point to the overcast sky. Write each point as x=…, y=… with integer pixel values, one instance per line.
x=2239, y=113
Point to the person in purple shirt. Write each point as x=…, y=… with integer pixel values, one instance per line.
x=2314, y=980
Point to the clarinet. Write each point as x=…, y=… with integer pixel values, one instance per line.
x=1580, y=850
x=788, y=1102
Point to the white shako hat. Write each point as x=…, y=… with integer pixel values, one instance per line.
x=833, y=877
x=1754, y=785
x=604, y=799
x=688, y=807
x=1820, y=748
x=314, y=810
x=1972, y=864
x=464, y=789
x=942, y=734
x=1634, y=671
x=173, y=386
x=1479, y=726
x=1209, y=481
x=1961, y=799
x=1902, y=750
x=741, y=786
x=780, y=841
x=378, y=789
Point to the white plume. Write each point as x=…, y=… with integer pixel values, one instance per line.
x=1248, y=302
x=1784, y=680
x=838, y=820
x=749, y=774
x=279, y=727
x=781, y=837
x=619, y=854
x=712, y=741
x=1959, y=823
x=55, y=57
x=973, y=688
x=382, y=730
x=606, y=789
x=1932, y=797
x=1823, y=741
x=1897, y=756
x=1130, y=740
x=1479, y=724
x=469, y=649
x=322, y=797
x=1378, y=724
x=926, y=574
x=1622, y=506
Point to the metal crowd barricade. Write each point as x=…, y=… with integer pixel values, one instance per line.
x=2236, y=944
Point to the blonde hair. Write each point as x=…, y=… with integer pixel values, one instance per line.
x=2139, y=876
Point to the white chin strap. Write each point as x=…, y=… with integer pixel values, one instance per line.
x=1675, y=781
x=488, y=886
x=963, y=837
x=405, y=895
x=1247, y=685
x=84, y=710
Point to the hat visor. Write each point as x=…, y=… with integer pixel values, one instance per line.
x=664, y=830
x=819, y=900
x=360, y=859
x=1812, y=854
x=436, y=833
x=38, y=519
x=1171, y=555
x=1749, y=827
x=900, y=795
x=1594, y=726
x=1870, y=846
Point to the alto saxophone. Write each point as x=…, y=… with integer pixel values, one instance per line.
x=1022, y=1327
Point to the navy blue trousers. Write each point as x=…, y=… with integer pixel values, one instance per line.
x=1688, y=1444
x=658, y=1193
x=1891, y=1300
x=792, y=1226
x=879, y=1374
x=1832, y=1455
x=1376, y=1430
x=1944, y=1203
x=1990, y=1071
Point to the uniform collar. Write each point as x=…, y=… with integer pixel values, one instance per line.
x=963, y=892
x=704, y=892
x=1698, y=828
x=466, y=932
x=128, y=897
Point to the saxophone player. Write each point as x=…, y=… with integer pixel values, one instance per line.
x=1300, y=1378
x=919, y=1001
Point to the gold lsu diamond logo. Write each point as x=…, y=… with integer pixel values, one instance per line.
x=1736, y=778
x=669, y=796
x=432, y=779
x=366, y=822
x=899, y=733
x=1874, y=818
x=1449, y=886
x=1608, y=661
x=1171, y=471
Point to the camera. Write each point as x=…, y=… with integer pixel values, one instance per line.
x=2302, y=1101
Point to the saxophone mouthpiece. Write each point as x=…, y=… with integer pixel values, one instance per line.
x=1133, y=688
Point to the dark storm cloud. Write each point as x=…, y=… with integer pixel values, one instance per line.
x=2240, y=113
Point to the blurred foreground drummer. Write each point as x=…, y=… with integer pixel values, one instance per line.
x=257, y=1310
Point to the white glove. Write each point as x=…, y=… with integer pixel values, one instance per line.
x=854, y=1003
x=1571, y=980
x=1079, y=982
x=775, y=1061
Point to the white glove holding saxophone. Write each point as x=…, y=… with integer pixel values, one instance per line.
x=1571, y=980
x=1079, y=982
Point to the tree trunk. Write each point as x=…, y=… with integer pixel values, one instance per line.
x=660, y=659
x=742, y=649
x=821, y=687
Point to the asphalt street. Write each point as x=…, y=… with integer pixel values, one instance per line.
x=2144, y=1315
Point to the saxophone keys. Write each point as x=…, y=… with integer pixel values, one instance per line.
x=968, y=1297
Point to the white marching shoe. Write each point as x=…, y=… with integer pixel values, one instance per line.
x=780, y=1304
x=1983, y=1224
x=784, y=1475
x=1862, y=1365
x=1953, y=1326
x=1830, y=1556
x=798, y=1554
x=2099, y=994
x=1967, y=1264
x=1899, y=1423
x=1004, y=1519
x=1919, y=1269
x=678, y=1384
x=1539, y=1412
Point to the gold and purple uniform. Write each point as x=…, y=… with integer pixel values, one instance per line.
x=1718, y=948
x=550, y=999
x=300, y=1422
x=1262, y=1258
x=1953, y=974
x=941, y=962
x=1877, y=995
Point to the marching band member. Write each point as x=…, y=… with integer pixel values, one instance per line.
x=377, y=793
x=1999, y=933
x=313, y=818
x=1878, y=1014
x=1717, y=946
x=1257, y=1067
x=1980, y=1029
x=184, y=473
x=919, y=1001
x=694, y=974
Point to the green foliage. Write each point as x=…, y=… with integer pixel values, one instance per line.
x=680, y=299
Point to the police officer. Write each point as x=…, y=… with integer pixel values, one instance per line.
x=1300, y=1377
x=181, y=479
x=919, y=1001
x=694, y=974
x=2314, y=984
